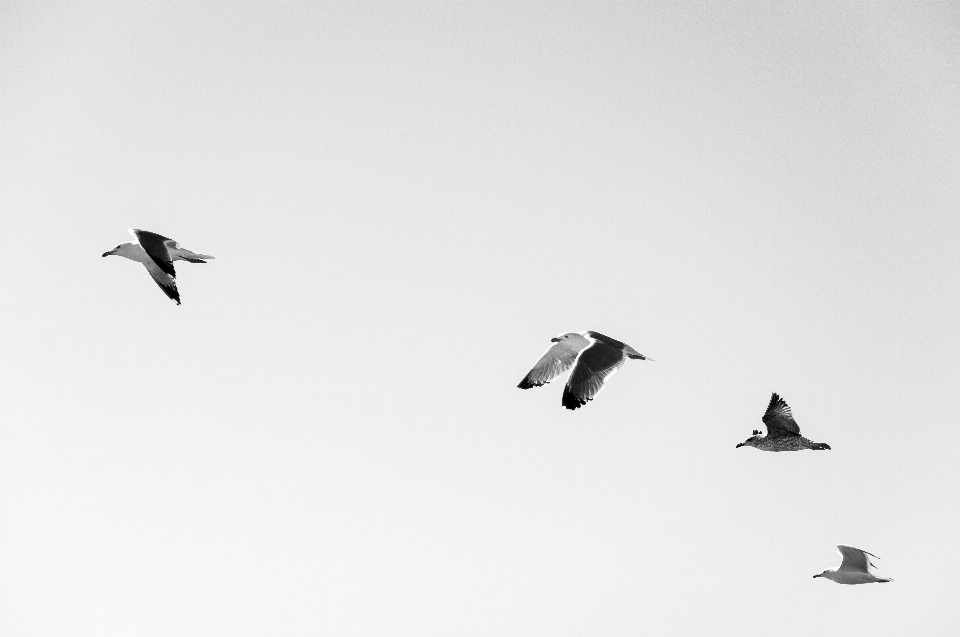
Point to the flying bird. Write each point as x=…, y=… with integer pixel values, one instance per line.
x=783, y=433
x=854, y=569
x=157, y=254
x=593, y=357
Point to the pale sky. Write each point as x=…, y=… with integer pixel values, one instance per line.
x=406, y=201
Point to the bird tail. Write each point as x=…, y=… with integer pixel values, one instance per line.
x=820, y=446
x=193, y=257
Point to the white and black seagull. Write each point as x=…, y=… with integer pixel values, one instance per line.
x=593, y=356
x=157, y=254
x=854, y=569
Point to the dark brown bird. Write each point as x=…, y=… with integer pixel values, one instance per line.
x=783, y=433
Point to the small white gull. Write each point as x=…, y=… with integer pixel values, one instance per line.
x=854, y=569
x=593, y=356
x=157, y=254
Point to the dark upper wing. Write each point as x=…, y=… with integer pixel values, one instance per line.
x=554, y=362
x=854, y=559
x=597, y=336
x=155, y=245
x=779, y=420
x=596, y=362
x=166, y=282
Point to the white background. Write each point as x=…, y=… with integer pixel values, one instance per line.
x=406, y=202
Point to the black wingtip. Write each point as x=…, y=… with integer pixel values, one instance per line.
x=822, y=446
x=570, y=401
x=526, y=383
x=172, y=293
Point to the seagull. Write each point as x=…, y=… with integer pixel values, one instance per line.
x=157, y=254
x=783, y=433
x=854, y=569
x=593, y=357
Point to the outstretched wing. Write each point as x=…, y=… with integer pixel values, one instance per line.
x=166, y=282
x=855, y=559
x=157, y=248
x=556, y=360
x=779, y=420
x=612, y=342
x=597, y=362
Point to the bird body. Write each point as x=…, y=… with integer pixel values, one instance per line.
x=786, y=443
x=157, y=254
x=851, y=578
x=593, y=357
x=783, y=432
x=854, y=569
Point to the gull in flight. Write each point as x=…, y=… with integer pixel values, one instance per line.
x=157, y=254
x=593, y=357
x=854, y=569
x=783, y=433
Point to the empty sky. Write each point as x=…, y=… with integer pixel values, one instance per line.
x=406, y=201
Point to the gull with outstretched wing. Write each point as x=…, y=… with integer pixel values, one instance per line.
x=854, y=569
x=157, y=254
x=593, y=357
x=783, y=432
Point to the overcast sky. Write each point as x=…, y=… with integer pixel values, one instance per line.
x=406, y=201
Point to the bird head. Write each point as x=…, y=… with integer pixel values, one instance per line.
x=571, y=340
x=123, y=250
x=752, y=440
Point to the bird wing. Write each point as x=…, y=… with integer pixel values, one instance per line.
x=166, y=282
x=597, y=336
x=855, y=559
x=597, y=361
x=157, y=248
x=779, y=420
x=629, y=351
x=557, y=359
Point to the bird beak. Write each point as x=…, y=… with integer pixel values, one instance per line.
x=554, y=340
x=107, y=253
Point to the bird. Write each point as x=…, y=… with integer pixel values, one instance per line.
x=593, y=357
x=783, y=433
x=854, y=569
x=157, y=254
